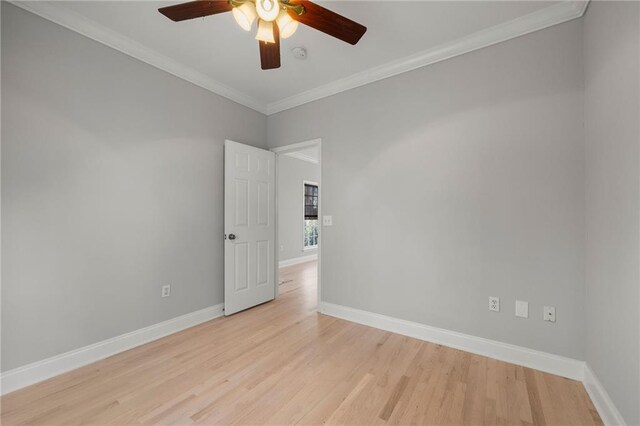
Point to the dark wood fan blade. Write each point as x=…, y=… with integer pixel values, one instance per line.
x=328, y=22
x=195, y=9
x=270, y=52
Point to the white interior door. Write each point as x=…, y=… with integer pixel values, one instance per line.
x=249, y=226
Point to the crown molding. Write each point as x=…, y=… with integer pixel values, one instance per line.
x=95, y=31
x=544, y=18
x=541, y=19
x=300, y=156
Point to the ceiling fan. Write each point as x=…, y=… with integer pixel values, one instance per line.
x=276, y=19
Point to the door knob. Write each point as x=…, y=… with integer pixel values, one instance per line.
x=232, y=236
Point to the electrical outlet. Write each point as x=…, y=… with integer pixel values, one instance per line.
x=281, y=248
x=327, y=220
x=494, y=304
x=166, y=291
x=549, y=313
x=522, y=309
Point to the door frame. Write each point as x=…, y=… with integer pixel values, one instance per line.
x=283, y=150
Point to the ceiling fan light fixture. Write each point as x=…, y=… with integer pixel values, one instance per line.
x=265, y=32
x=286, y=24
x=268, y=10
x=272, y=22
x=244, y=15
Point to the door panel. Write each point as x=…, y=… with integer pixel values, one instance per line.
x=242, y=202
x=249, y=273
x=242, y=266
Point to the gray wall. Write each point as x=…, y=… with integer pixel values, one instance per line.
x=462, y=180
x=111, y=187
x=292, y=173
x=612, y=117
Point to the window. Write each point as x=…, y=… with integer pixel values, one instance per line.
x=310, y=215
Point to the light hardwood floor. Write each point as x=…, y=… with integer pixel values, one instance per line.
x=283, y=363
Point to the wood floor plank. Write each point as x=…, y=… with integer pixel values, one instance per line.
x=283, y=363
x=537, y=412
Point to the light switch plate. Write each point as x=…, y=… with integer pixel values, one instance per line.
x=522, y=309
x=327, y=220
x=166, y=291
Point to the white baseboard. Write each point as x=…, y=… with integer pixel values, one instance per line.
x=297, y=260
x=555, y=364
x=41, y=370
x=608, y=412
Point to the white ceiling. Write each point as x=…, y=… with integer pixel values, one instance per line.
x=217, y=50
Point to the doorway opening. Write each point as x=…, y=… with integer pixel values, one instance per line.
x=298, y=220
